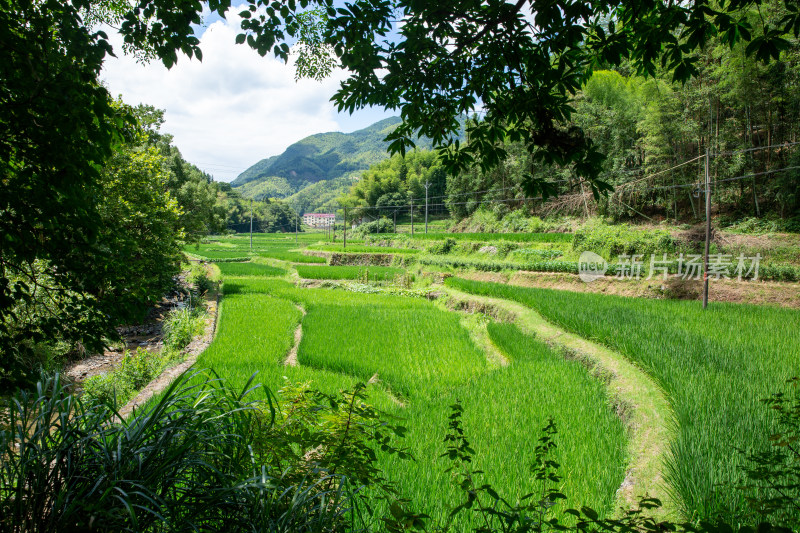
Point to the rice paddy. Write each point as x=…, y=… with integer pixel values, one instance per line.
x=715, y=367
x=419, y=359
x=249, y=269
x=361, y=248
x=371, y=273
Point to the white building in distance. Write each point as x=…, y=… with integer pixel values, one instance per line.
x=319, y=220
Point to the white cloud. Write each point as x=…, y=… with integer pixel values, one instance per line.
x=233, y=108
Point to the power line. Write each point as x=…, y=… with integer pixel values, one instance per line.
x=734, y=152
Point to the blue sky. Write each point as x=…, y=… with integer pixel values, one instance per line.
x=234, y=108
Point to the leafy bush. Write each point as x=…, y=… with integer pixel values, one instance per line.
x=611, y=241
x=518, y=221
x=382, y=225
x=504, y=248
x=779, y=272
x=751, y=225
x=134, y=372
x=442, y=248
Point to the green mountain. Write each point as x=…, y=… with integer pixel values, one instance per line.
x=298, y=172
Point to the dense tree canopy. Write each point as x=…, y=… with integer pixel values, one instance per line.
x=516, y=62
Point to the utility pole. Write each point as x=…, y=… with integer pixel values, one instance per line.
x=427, y=184
x=251, y=224
x=412, y=217
x=394, y=228
x=295, y=229
x=344, y=242
x=708, y=234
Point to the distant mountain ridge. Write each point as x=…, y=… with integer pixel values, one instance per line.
x=319, y=157
x=325, y=156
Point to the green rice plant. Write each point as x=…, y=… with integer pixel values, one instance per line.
x=528, y=254
x=378, y=337
x=361, y=248
x=715, y=365
x=254, y=336
x=293, y=257
x=372, y=273
x=496, y=265
x=250, y=269
x=216, y=255
x=502, y=411
x=425, y=357
x=489, y=237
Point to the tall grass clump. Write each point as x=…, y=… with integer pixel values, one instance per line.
x=204, y=457
x=715, y=365
x=137, y=369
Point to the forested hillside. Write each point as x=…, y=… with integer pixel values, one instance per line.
x=653, y=133
x=335, y=158
x=323, y=156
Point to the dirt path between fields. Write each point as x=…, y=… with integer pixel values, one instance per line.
x=291, y=357
x=636, y=398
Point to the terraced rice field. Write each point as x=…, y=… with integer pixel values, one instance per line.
x=249, y=269
x=372, y=273
x=361, y=248
x=715, y=366
x=420, y=359
x=273, y=247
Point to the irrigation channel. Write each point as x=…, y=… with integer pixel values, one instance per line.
x=651, y=406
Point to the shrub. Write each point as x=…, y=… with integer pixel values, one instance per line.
x=532, y=254
x=134, y=372
x=198, y=277
x=779, y=272
x=442, y=248
x=180, y=326
x=611, y=241
x=382, y=225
